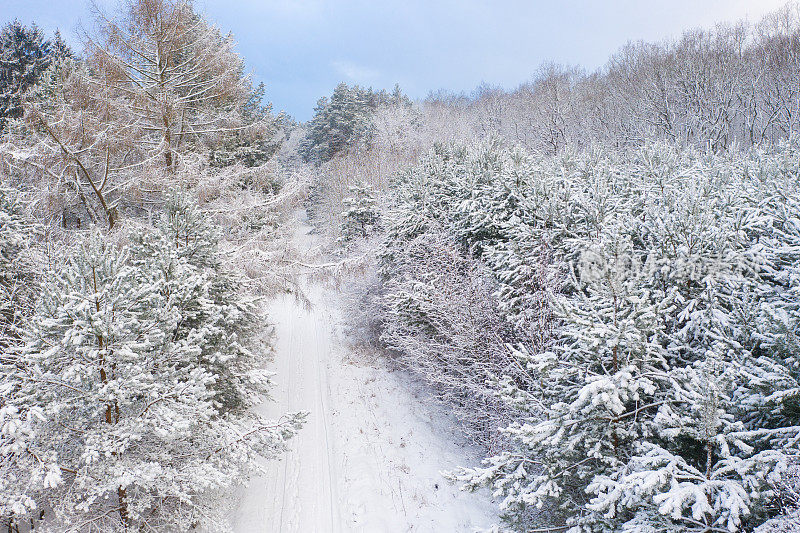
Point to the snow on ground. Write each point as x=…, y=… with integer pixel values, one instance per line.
x=370, y=455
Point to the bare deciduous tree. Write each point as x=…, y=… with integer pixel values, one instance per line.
x=157, y=83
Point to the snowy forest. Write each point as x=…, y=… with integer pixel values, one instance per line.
x=572, y=306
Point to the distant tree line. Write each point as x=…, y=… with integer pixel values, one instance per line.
x=723, y=89
x=728, y=87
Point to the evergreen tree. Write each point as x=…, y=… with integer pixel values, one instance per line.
x=24, y=56
x=182, y=256
x=115, y=414
x=60, y=50
x=344, y=121
x=17, y=269
x=314, y=146
x=18, y=283
x=360, y=217
x=246, y=149
x=653, y=301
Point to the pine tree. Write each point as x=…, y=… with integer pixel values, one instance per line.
x=60, y=50
x=314, y=146
x=24, y=55
x=183, y=256
x=653, y=301
x=344, y=121
x=360, y=217
x=115, y=418
x=17, y=269
x=18, y=284
x=91, y=362
x=248, y=150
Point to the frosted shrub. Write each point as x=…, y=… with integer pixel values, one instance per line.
x=442, y=316
x=442, y=322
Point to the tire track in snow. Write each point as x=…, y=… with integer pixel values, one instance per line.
x=349, y=468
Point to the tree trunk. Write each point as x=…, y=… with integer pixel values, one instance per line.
x=122, y=496
x=112, y=414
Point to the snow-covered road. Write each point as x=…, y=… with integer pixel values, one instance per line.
x=369, y=456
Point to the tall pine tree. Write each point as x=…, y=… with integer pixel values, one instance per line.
x=24, y=56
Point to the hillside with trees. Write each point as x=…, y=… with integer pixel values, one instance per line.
x=132, y=352
x=570, y=306
x=596, y=273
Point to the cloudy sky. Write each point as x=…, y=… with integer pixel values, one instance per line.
x=302, y=48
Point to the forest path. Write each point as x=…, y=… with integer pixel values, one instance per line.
x=370, y=455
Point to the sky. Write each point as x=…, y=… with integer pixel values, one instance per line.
x=302, y=48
